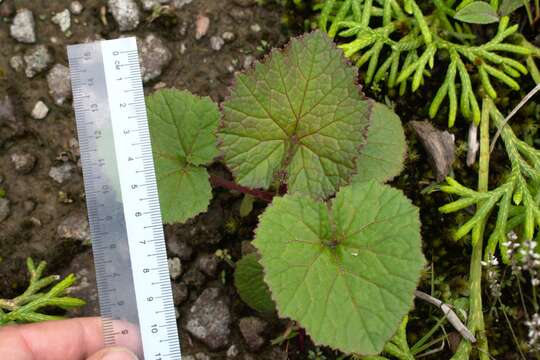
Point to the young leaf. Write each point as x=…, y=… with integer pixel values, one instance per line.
x=299, y=117
x=248, y=280
x=182, y=129
x=347, y=270
x=382, y=157
x=477, y=12
x=509, y=6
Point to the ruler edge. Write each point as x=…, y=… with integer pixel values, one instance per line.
x=167, y=294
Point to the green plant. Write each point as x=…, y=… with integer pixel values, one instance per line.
x=340, y=251
x=26, y=307
x=517, y=199
x=412, y=43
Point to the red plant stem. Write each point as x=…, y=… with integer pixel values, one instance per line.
x=230, y=185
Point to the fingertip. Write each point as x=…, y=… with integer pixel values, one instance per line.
x=114, y=353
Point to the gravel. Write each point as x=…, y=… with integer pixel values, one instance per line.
x=76, y=7
x=61, y=173
x=4, y=209
x=216, y=43
x=23, y=27
x=201, y=26
x=126, y=13
x=38, y=58
x=63, y=20
x=194, y=278
x=74, y=227
x=59, y=83
x=40, y=110
x=180, y=293
x=209, y=319
x=155, y=56
x=208, y=264
x=252, y=328
x=16, y=62
x=149, y=4
x=175, y=268
x=23, y=162
x=7, y=111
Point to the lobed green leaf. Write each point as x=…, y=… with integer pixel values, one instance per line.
x=183, y=132
x=346, y=270
x=298, y=118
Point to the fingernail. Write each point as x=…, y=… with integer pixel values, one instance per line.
x=119, y=354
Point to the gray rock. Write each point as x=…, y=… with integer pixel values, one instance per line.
x=252, y=329
x=255, y=28
x=228, y=36
x=16, y=62
x=208, y=264
x=149, y=4
x=74, y=227
x=248, y=61
x=4, y=209
x=23, y=27
x=76, y=7
x=63, y=20
x=216, y=43
x=7, y=111
x=40, y=110
x=180, y=293
x=232, y=352
x=181, y=3
x=61, y=173
x=126, y=13
x=23, y=162
x=37, y=59
x=194, y=278
x=179, y=248
x=155, y=56
x=175, y=268
x=59, y=83
x=209, y=319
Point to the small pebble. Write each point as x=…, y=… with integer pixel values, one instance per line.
x=255, y=28
x=37, y=59
x=16, y=62
x=74, y=227
x=216, y=43
x=4, y=209
x=23, y=162
x=201, y=26
x=40, y=110
x=232, y=352
x=154, y=55
x=248, y=61
x=181, y=3
x=59, y=83
x=61, y=173
x=228, y=37
x=63, y=20
x=149, y=4
x=76, y=7
x=175, y=268
x=180, y=293
x=126, y=13
x=23, y=27
x=252, y=329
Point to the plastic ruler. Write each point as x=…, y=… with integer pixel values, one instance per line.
x=121, y=195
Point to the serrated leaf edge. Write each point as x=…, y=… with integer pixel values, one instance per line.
x=251, y=70
x=329, y=207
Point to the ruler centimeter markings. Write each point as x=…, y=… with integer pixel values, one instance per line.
x=132, y=272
